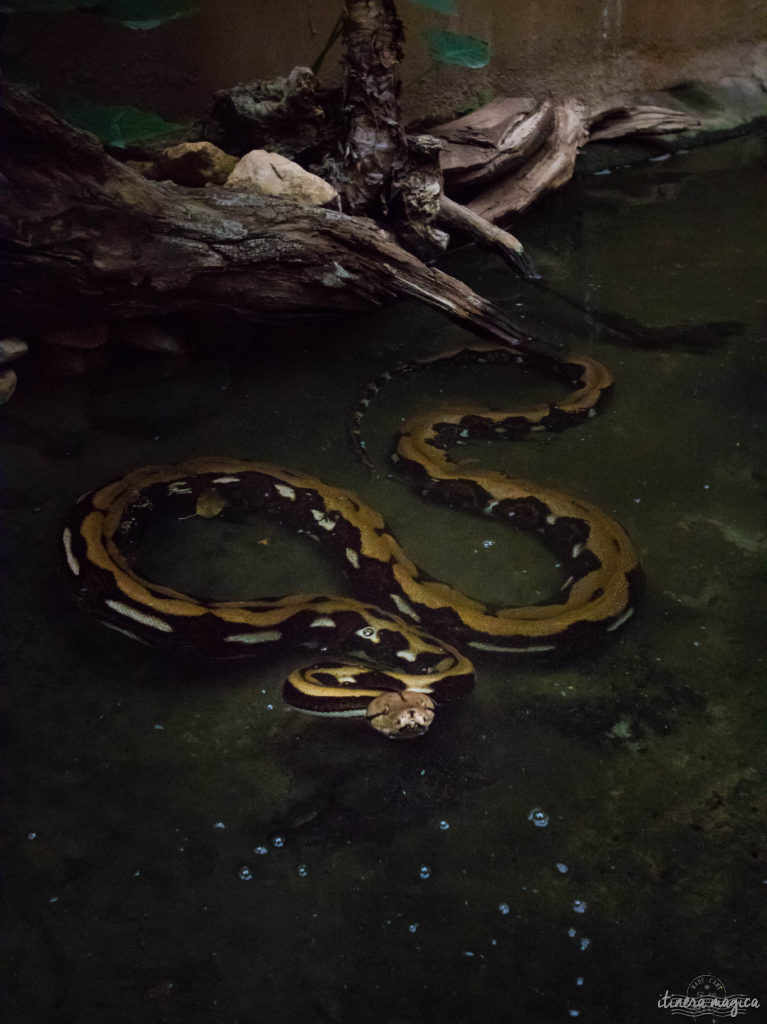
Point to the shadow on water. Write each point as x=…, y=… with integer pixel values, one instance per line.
x=572, y=841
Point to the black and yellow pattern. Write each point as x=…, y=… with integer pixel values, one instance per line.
x=395, y=624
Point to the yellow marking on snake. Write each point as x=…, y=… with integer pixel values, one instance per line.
x=378, y=626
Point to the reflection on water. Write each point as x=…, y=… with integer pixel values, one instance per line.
x=572, y=841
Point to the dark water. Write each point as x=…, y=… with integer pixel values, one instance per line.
x=179, y=847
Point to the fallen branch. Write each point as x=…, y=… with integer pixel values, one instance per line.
x=85, y=238
x=486, y=235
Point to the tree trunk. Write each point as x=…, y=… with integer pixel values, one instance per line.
x=373, y=38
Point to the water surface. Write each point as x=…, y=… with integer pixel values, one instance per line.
x=572, y=841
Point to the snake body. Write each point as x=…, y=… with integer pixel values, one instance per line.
x=406, y=631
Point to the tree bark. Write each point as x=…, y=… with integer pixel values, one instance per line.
x=83, y=237
x=373, y=37
x=507, y=153
x=637, y=119
x=549, y=167
x=491, y=142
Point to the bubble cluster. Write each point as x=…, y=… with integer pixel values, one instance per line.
x=504, y=908
x=579, y=906
x=303, y=871
x=278, y=841
x=245, y=873
x=261, y=850
x=538, y=817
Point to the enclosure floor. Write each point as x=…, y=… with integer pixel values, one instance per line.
x=181, y=847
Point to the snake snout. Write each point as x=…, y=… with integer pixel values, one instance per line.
x=401, y=716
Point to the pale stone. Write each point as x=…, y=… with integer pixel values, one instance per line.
x=195, y=164
x=7, y=385
x=12, y=349
x=270, y=174
x=90, y=336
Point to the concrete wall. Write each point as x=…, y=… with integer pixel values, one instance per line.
x=593, y=49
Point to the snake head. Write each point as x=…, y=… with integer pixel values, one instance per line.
x=401, y=715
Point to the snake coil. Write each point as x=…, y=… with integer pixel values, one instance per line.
x=406, y=631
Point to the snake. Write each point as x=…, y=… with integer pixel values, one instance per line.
x=402, y=641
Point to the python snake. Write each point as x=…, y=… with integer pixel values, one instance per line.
x=396, y=624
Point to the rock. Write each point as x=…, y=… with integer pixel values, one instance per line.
x=270, y=174
x=27, y=481
x=147, y=335
x=88, y=336
x=12, y=349
x=195, y=164
x=7, y=385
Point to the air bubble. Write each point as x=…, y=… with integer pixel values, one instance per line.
x=261, y=850
x=538, y=817
x=303, y=871
x=413, y=927
x=579, y=906
x=219, y=824
x=585, y=943
x=444, y=825
x=278, y=841
x=245, y=874
x=424, y=871
x=562, y=868
x=504, y=908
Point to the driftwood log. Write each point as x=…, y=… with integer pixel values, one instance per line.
x=637, y=119
x=85, y=238
x=500, y=158
x=493, y=141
